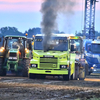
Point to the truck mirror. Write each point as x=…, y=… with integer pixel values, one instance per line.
x=72, y=48
x=89, y=47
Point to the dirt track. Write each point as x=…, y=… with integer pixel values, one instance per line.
x=19, y=88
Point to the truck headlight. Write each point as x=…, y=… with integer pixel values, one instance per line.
x=95, y=56
x=94, y=65
x=33, y=65
x=1, y=49
x=63, y=66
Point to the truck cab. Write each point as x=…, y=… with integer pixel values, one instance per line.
x=93, y=57
x=86, y=46
x=57, y=60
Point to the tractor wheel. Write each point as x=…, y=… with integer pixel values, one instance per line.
x=2, y=70
x=25, y=67
x=32, y=76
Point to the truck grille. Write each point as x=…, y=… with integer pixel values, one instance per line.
x=12, y=54
x=48, y=63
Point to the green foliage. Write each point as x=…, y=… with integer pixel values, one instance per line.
x=14, y=31
x=10, y=31
x=32, y=32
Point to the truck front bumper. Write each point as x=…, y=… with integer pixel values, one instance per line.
x=48, y=72
x=95, y=70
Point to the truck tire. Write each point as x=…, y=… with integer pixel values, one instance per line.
x=2, y=70
x=89, y=73
x=32, y=76
x=41, y=76
x=76, y=71
x=82, y=72
x=87, y=69
x=25, y=66
x=67, y=77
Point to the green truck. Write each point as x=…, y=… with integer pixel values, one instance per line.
x=59, y=59
x=14, y=55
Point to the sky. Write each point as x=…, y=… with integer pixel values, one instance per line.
x=25, y=14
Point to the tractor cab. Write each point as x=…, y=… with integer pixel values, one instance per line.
x=14, y=55
x=15, y=44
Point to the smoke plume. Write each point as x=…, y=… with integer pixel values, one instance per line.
x=50, y=10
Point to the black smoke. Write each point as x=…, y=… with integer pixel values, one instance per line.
x=50, y=10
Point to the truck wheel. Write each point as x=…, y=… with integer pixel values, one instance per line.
x=32, y=76
x=86, y=69
x=89, y=73
x=2, y=70
x=42, y=76
x=71, y=77
x=25, y=67
x=82, y=72
x=66, y=77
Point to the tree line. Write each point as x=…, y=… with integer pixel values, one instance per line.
x=14, y=31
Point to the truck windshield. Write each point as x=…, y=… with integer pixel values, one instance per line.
x=76, y=45
x=15, y=43
x=56, y=43
x=95, y=48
